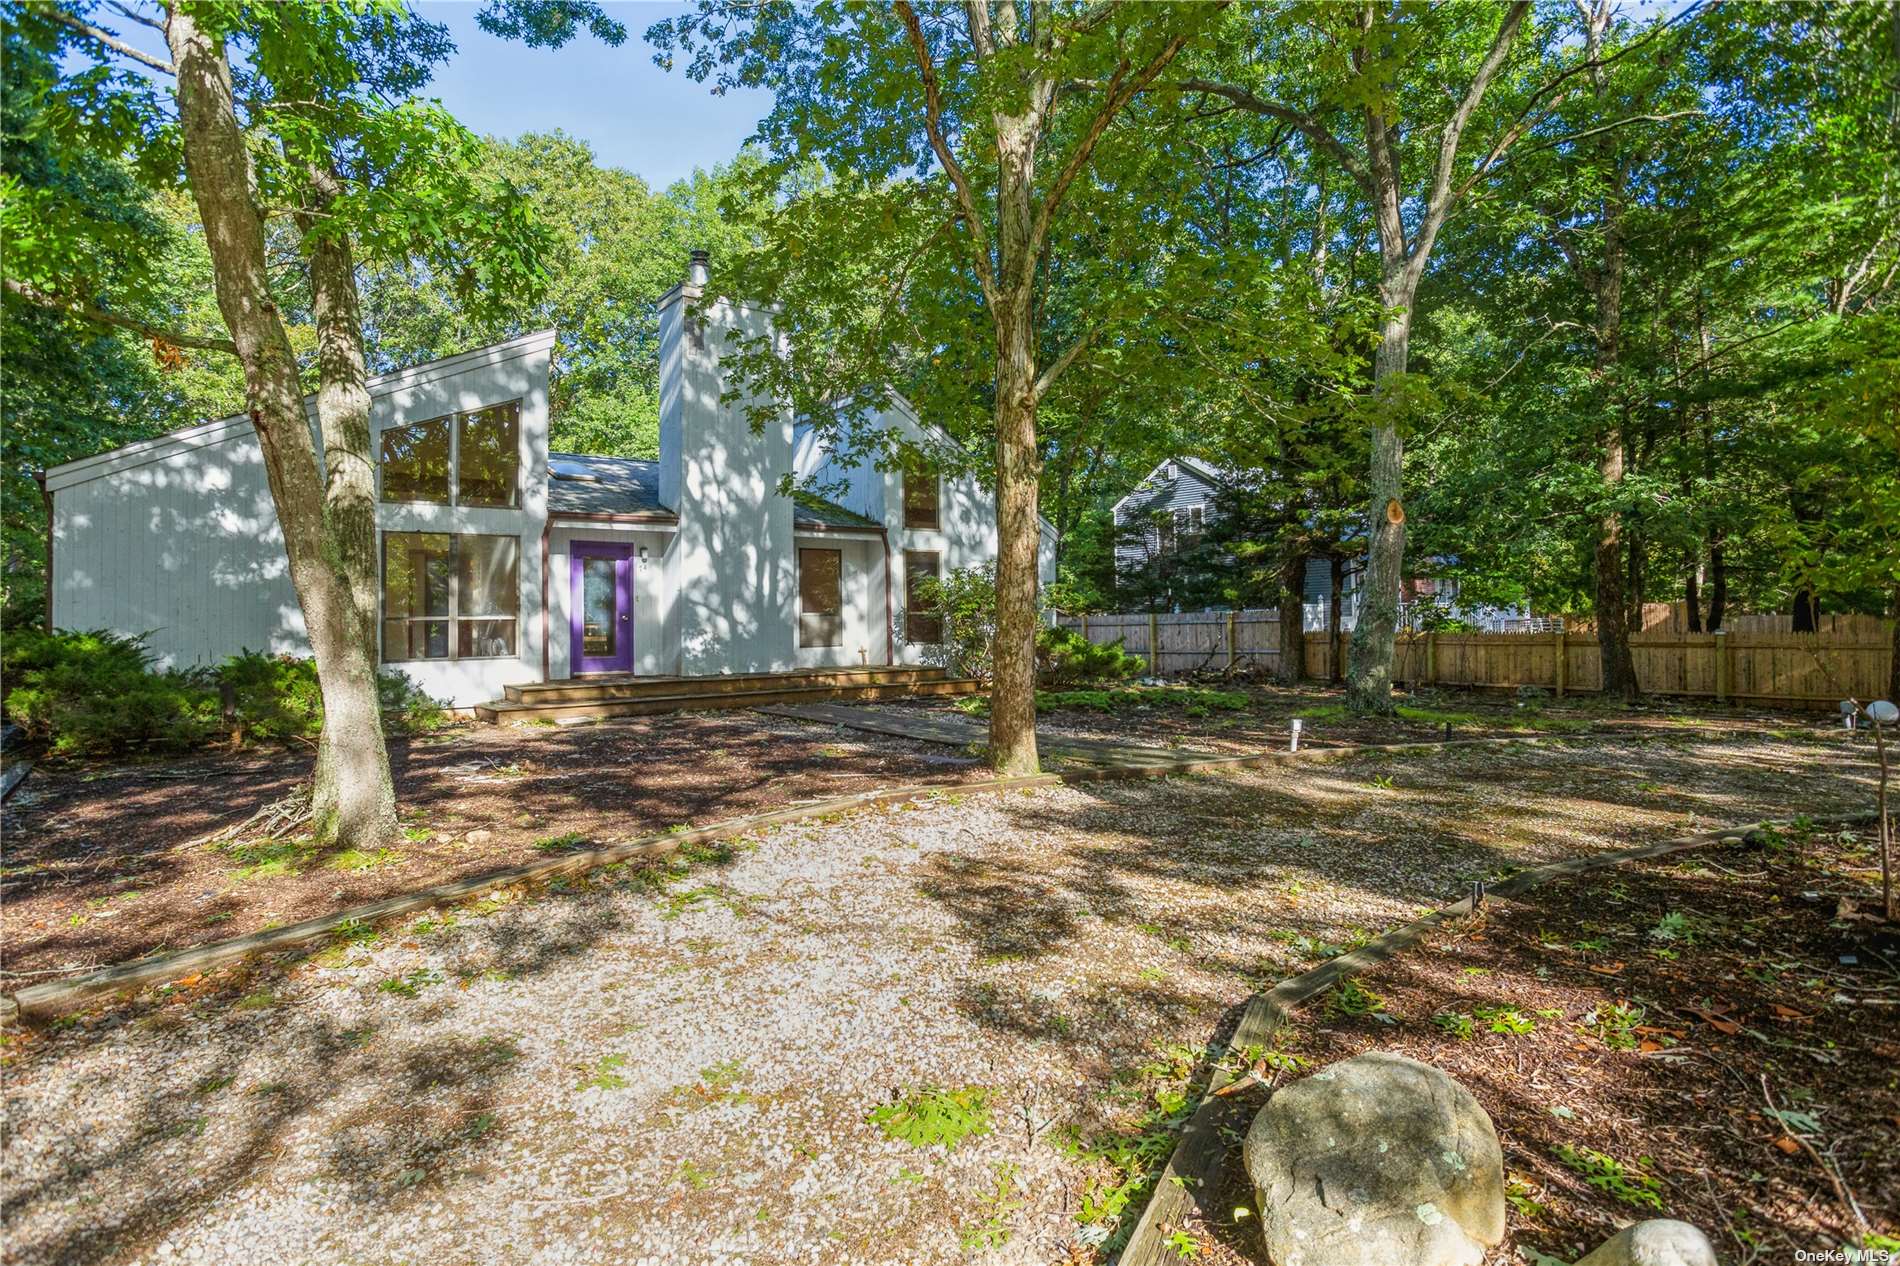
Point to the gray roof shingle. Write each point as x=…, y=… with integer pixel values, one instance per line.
x=582, y=484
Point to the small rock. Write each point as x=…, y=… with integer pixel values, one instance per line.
x=1731, y=839
x=479, y=837
x=1376, y=1161
x=1657, y=1242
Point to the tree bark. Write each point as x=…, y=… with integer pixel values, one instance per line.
x=1018, y=461
x=217, y=165
x=1293, y=617
x=1691, y=591
x=1374, y=636
x=353, y=796
x=1612, y=597
x=1718, y=582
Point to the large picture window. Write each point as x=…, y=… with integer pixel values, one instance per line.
x=922, y=620
x=921, y=508
x=416, y=462
x=820, y=597
x=470, y=459
x=449, y=597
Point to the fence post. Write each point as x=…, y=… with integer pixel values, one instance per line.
x=1431, y=658
x=1085, y=626
x=1231, y=616
x=1720, y=644
x=1154, y=647
x=1563, y=663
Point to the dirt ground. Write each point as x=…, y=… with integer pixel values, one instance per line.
x=103, y=862
x=1175, y=719
x=100, y=864
x=965, y=1030
x=1711, y=1037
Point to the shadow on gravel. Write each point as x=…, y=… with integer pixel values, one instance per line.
x=257, y=1061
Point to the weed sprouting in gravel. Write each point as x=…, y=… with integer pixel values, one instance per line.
x=930, y=1116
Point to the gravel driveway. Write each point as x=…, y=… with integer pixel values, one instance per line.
x=679, y=1067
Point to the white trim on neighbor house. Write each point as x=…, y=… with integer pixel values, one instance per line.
x=1206, y=473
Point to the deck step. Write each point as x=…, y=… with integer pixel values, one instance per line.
x=506, y=710
x=587, y=689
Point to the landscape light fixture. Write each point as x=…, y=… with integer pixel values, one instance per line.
x=1293, y=744
x=1848, y=709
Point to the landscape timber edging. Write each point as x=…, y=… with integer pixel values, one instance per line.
x=55, y=996
x=1194, y=1163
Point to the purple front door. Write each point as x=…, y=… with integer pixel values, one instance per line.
x=600, y=607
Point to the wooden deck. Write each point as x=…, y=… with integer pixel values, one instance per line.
x=620, y=694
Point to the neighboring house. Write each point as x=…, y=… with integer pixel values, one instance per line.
x=1177, y=500
x=504, y=564
x=1167, y=511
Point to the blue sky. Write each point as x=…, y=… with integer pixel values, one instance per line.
x=658, y=124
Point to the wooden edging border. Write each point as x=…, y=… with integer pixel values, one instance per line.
x=1192, y=1169
x=55, y=996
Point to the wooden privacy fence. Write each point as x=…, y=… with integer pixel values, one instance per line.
x=1813, y=670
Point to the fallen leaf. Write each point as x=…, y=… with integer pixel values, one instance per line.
x=1719, y=1023
x=186, y=982
x=1789, y=1013
x=1608, y=969
x=1649, y=1045
x=1788, y=1145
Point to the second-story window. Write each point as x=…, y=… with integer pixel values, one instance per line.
x=470, y=459
x=920, y=496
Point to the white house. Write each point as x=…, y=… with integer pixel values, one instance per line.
x=505, y=564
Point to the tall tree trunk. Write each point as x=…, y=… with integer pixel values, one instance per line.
x=1018, y=463
x=1374, y=635
x=1718, y=581
x=353, y=797
x=1612, y=595
x=1691, y=590
x=1293, y=617
x=217, y=165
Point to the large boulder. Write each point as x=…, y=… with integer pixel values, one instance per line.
x=1657, y=1242
x=1377, y=1160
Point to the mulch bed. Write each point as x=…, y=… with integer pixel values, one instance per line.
x=1713, y=1038
x=101, y=866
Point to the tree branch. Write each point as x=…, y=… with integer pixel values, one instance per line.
x=1118, y=97
x=1438, y=203
x=86, y=311
x=1053, y=370
x=959, y=179
x=110, y=40
x=1306, y=123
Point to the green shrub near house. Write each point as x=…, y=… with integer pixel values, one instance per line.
x=96, y=693
x=966, y=598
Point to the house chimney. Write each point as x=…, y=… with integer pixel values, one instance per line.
x=696, y=270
